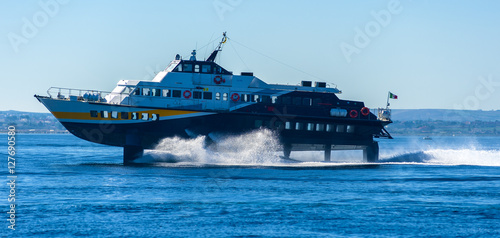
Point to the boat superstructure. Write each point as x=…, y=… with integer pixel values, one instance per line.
x=191, y=98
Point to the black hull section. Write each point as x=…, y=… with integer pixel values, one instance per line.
x=147, y=134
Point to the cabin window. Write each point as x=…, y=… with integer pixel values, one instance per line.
x=176, y=93
x=299, y=126
x=178, y=68
x=196, y=95
x=275, y=99
x=258, y=123
x=124, y=115
x=218, y=70
x=297, y=101
x=306, y=102
x=156, y=92
x=206, y=68
x=167, y=93
x=340, y=128
x=146, y=92
x=288, y=125
x=135, y=116
x=155, y=117
x=94, y=114
x=317, y=101
x=287, y=100
x=114, y=115
x=144, y=116
x=171, y=66
x=104, y=114
x=278, y=124
x=187, y=68
x=207, y=95
x=128, y=90
x=350, y=129
x=245, y=97
x=217, y=96
x=320, y=127
x=329, y=127
x=138, y=91
x=255, y=98
x=196, y=68
x=224, y=96
x=310, y=126
x=266, y=99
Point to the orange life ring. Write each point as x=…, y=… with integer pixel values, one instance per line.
x=218, y=79
x=235, y=97
x=187, y=94
x=353, y=113
x=365, y=111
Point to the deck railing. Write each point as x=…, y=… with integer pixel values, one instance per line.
x=384, y=114
x=86, y=95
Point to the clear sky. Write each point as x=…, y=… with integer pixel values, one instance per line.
x=432, y=54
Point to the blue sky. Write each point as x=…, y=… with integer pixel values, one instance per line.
x=432, y=54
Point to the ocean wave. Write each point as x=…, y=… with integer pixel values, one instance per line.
x=449, y=157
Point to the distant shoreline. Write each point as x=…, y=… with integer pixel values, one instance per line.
x=408, y=122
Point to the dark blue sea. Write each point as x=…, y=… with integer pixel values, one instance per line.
x=444, y=187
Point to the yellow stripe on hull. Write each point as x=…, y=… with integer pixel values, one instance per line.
x=86, y=115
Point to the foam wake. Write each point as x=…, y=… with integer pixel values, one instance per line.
x=262, y=148
x=254, y=148
x=449, y=157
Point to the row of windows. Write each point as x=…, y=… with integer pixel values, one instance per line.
x=319, y=127
x=178, y=94
x=200, y=68
x=156, y=92
x=309, y=126
x=125, y=115
x=298, y=101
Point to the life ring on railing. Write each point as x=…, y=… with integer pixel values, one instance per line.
x=365, y=111
x=235, y=97
x=187, y=94
x=218, y=80
x=353, y=113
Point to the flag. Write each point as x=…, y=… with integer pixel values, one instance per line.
x=393, y=96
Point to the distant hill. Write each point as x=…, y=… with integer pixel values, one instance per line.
x=30, y=122
x=444, y=115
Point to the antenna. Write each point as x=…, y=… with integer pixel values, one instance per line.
x=212, y=56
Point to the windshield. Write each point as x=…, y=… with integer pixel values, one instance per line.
x=172, y=65
x=123, y=89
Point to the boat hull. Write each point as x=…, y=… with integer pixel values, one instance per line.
x=146, y=132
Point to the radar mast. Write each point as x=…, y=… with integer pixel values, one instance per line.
x=212, y=56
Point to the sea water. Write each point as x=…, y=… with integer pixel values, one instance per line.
x=448, y=186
